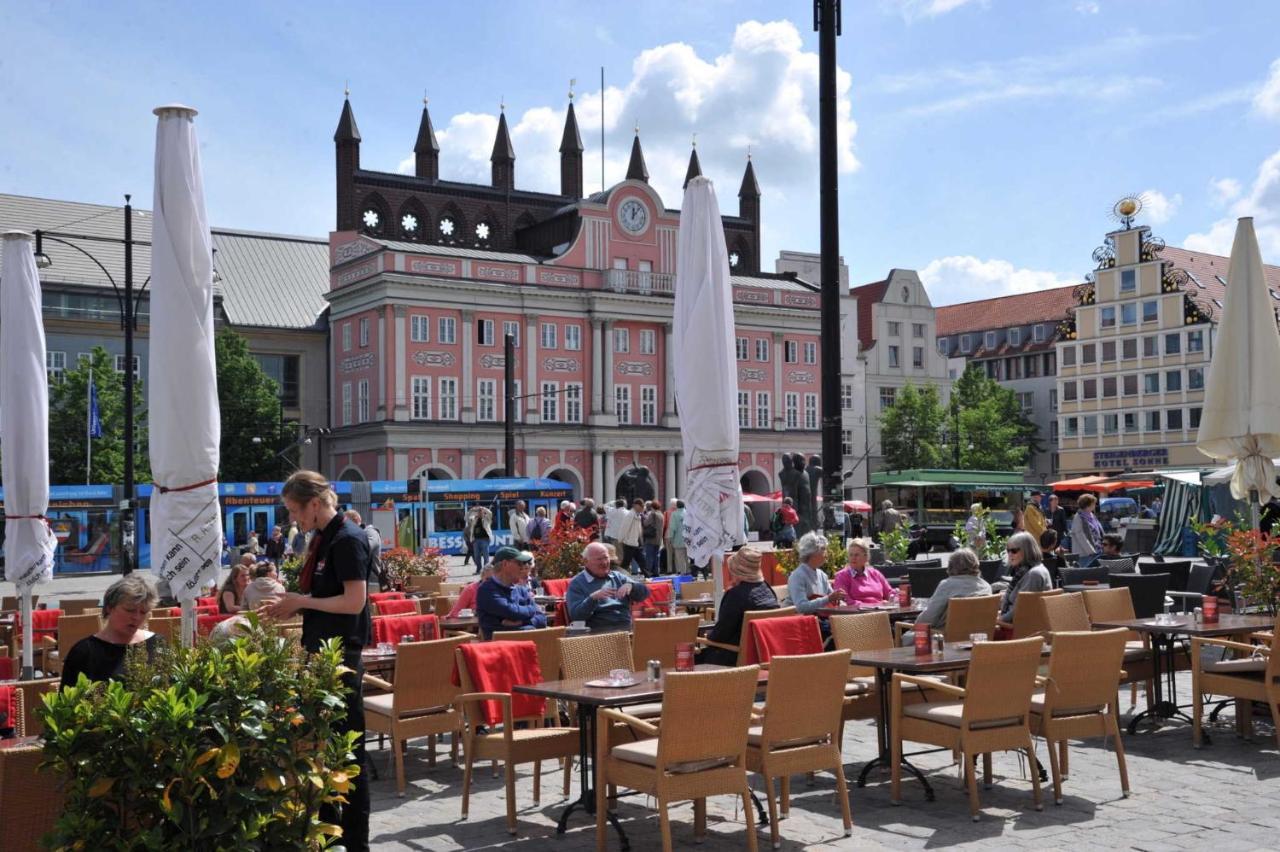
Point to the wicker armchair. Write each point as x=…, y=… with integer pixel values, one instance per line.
x=71, y=629
x=548, y=641
x=420, y=703
x=1253, y=674
x=656, y=639
x=965, y=617
x=990, y=714
x=1078, y=698
x=17, y=714
x=1117, y=605
x=697, y=588
x=1063, y=613
x=800, y=729
x=865, y=631
x=744, y=647
x=1028, y=614
x=30, y=800
x=77, y=606
x=513, y=746
x=699, y=751
x=427, y=584
x=32, y=690
x=596, y=656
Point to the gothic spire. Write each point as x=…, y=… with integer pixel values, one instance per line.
x=636, y=168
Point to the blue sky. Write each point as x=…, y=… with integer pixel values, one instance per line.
x=982, y=142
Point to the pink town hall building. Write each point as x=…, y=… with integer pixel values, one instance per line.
x=429, y=275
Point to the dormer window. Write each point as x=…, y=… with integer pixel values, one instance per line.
x=1015, y=336
x=991, y=340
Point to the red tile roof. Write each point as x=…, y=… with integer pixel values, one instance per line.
x=866, y=296
x=1205, y=269
x=1048, y=305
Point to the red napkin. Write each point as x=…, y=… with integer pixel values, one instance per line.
x=7, y=669
x=499, y=666
x=392, y=627
x=397, y=607
x=660, y=594
x=555, y=588
x=787, y=636
x=205, y=623
x=378, y=597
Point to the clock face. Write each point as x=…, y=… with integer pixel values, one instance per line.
x=633, y=216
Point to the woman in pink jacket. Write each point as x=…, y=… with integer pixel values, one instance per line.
x=860, y=582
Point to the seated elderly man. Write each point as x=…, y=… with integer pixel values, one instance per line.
x=602, y=597
x=504, y=601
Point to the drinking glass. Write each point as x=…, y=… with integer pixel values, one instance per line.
x=619, y=675
x=975, y=638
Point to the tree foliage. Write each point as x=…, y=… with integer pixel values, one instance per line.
x=69, y=418
x=250, y=403
x=994, y=432
x=911, y=429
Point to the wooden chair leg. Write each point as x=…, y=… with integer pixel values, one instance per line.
x=986, y=770
x=749, y=815
x=1035, y=776
x=971, y=781
x=431, y=750
x=510, y=777
x=1063, y=758
x=1197, y=720
x=699, y=819
x=396, y=746
x=664, y=825
x=537, y=783
x=1124, y=770
x=1054, y=769
x=466, y=781
x=1275, y=718
x=842, y=790
x=774, y=838
x=453, y=746
x=786, y=796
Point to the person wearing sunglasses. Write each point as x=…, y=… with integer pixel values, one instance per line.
x=1027, y=571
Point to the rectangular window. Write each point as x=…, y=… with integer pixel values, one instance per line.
x=764, y=410
x=1013, y=368
x=622, y=404
x=1130, y=384
x=791, y=409
x=648, y=405
x=486, y=400
x=420, y=328
x=1173, y=380
x=893, y=356
x=790, y=352
x=517, y=402
x=1037, y=334
x=887, y=396
x=448, y=399
x=55, y=365
x=512, y=328
x=1172, y=344
x=1128, y=280
x=573, y=338
x=1130, y=422
x=811, y=352
x=1107, y=317
x=550, y=402
x=346, y=337
x=1195, y=378
x=1195, y=341
x=744, y=409
x=573, y=402
x=966, y=343
x=136, y=364
x=1193, y=418
x=648, y=342
x=1068, y=356
x=811, y=411
x=762, y=349
x=1031, y=366
x=484, y=332
x=1150, y=311
x=1110, y=424
x=895, y=329
x=1173, y=420
x=1108, y=387
x=1090, y=426
x=1053, y=431
x=1150, y=346
x=1071, y=426
x=1068, y=391
x=621, y=340
x=362, y=401
x=1015, y=336
x=1108, y=351
x=1090, y=389
x=364, y=332
x=1088, y=353
x=990, y=341
x=421, y=397
x=744, y=349
x=846, y=442
x=1153, y=421
x=1027, y=400
x=1129, y=349
x=346, y=403
x=944, y=344
x=1151, y=383
x=846, y=397
x=1129, y=314
x=447, y=331
x=917, y=357
x=917, y=329
x=1053, y=399
x=1050, y=364
x=547, y=337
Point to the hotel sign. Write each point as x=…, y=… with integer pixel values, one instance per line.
x=1135, y=457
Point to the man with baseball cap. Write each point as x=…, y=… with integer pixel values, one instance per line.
x=504, y=601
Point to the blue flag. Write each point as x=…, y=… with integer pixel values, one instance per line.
x=95, y=419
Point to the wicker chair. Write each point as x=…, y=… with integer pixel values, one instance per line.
x=965, y=617
x=452, y=588
x=1117, y=605
x=699, y=751
x=1028, y=614
x=17, y=718
x=801, y=728
x=990, y=714
x=743, y=648
x=513, y=746
x=168, y=628
x=1078, y=698
x=596, y=656
x=1119, y=565
x=656, y=639
x=1074, y=576
x=428, y=584
x=71, y=629
x=1063, y=613
x=77, y=606
x=420, y=703
x=398, y=606
x=864, y=631
x=32, y=690
x=548, y=641
x=925, y=580
x=697, y=588
x=30, y=800
x=1252, y=675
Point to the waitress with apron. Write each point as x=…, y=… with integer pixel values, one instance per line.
x=334, y=605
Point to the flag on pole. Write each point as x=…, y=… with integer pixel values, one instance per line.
x=95, y=418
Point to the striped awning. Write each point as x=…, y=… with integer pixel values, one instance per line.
x=1181, y=505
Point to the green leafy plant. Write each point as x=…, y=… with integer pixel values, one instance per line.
x=1252, y=566
x=217, y=747
x=896, y=544
x=289, y=570
x=837, y=556
x=1212, y=536
x=400, y=563
x=993, y=543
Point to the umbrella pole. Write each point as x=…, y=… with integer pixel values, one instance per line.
x=1255, y=517
x=188, y=623
x=717, y=574
x=28, y=650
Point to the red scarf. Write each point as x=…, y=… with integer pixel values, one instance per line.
x=309, y=566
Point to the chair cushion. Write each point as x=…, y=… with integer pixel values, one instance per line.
x=1037, y=707
x=859, y=686
x=755, y=732
x=1135, y=650
x=951, y=713
x=643, y=711
x=645, y=753
x=382, y=704
x=1244, y=665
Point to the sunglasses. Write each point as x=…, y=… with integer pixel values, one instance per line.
x=1013, y=550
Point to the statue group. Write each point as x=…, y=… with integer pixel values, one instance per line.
x=802, y=482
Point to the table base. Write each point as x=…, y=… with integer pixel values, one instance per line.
x=586, y=761
x=883, y=763
x=1164, y=654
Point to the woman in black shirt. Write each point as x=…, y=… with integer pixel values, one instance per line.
x=334, y=604
x=749, y=594
x=125, y=609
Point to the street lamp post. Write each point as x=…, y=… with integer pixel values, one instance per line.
x=129, y=322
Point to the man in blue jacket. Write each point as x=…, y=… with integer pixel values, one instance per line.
x=601, y=597
x=504, y=601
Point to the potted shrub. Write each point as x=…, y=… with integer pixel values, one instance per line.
x=1252, y=568
x=559, y=555
x=993, y=546
x=400, y=562
x=837, y=556
x=214, y=747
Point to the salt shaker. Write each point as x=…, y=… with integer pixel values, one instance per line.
x=655, y=669
x=939, y=643
x=1199, y=615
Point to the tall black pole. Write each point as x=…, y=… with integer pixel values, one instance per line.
x=955, y=427
x=127, y=532
x=509, y=410
x=826, y=20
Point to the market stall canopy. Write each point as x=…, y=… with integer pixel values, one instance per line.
x=1081, y=483
x=856, y=506
x=961, y=480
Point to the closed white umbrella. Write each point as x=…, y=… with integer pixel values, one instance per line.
x=182, y=392
x=707, y=381
x=24, y=429
x=1241, y=415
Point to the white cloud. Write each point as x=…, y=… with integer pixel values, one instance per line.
x=1087, y=7
x=1262, y=203
x=1157, y=208
x=1086, y=87
x=1267, y=101
x=964, y=278
x=915, y=10
x=1224, y=190
x=761, y=93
